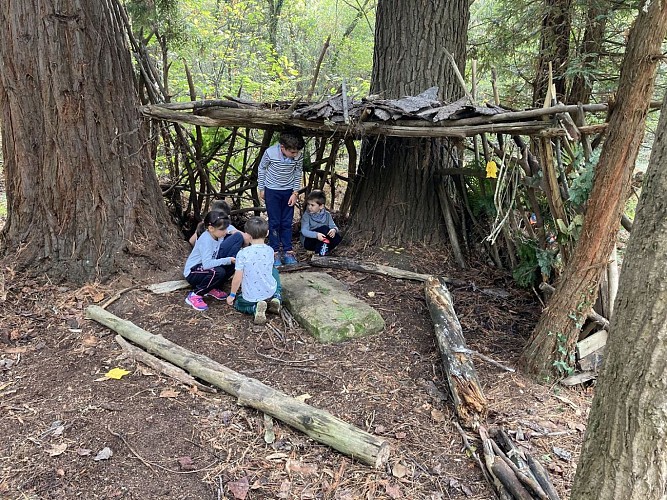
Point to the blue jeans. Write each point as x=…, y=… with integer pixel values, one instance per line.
x=281, y=216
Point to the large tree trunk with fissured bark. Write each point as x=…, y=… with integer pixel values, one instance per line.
x=625, y=450
x=552, y=342
x=396, y=198
x=82, y=195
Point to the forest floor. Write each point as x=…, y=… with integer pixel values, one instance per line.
x=61, y=418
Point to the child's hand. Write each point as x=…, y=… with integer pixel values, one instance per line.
x=230, y=300
x=293, y=199
x=233, y=260
x=320, y=236
x=331, y=233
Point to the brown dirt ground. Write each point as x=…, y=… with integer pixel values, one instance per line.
x=57, y=411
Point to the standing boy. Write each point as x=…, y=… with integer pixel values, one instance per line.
x=318, y=230
x=256, y=275
x=278, y=181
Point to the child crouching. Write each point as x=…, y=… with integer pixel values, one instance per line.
x=207, y=268
x=255, y=274
x=319, y=232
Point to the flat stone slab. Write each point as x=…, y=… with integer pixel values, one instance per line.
x=326, y=309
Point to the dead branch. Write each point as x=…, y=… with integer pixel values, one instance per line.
x=318, y=424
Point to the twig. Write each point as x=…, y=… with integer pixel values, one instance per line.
x=117, y=296
x=150, y=465
x=317, y=68
x=485, y=358
x=266, y=356
x=306, y=370
x=459, y=76
x=474, y=454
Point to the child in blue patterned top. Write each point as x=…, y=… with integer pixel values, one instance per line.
x=255, y=275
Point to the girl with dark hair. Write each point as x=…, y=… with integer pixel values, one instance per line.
x=210, y=263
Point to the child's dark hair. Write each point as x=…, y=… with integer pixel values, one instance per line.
x=257, y=227
x=220, y=206
x=215, y=218
x=318, y=196
x=292, y=139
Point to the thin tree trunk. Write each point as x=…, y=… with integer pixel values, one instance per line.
x=554, y=49
x=552, y=342
x=625, y=450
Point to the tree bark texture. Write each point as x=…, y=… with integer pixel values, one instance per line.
x=625, y=449
x=318, y=424
x=557, y=330
x=395, y=196
x=597, y=14
x=81, y=189
x=554, y=49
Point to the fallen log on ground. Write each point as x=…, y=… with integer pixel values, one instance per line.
x=367, y=267
x=317, y=424
x=467, y=395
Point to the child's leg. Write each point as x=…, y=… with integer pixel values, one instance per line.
x=205, y=280
x=242, y=305
x=230, y=246
x=287, y=217
x=313, y=243
x=335, y=241
x=279, y=288
x=274, y=203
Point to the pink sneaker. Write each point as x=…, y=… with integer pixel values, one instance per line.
x=196, y=301
x=217, y=294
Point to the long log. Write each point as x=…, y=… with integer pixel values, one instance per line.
x=317, y=424
x=367, y=267
x=469, y=400
x=264, y=119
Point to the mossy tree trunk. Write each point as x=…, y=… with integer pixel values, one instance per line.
x=82, y=195
x=625, y=450
x=395, y=198
x=552, y=342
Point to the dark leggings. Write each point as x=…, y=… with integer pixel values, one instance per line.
x=316, y=245
x=205, y=280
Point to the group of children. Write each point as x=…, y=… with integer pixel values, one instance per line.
x=221, y=252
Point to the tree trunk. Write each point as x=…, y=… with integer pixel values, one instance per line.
x=554, y=49
x=597, y=15
x=625, y=450
x=395, y=196
x=82, y=194
x=551, y=344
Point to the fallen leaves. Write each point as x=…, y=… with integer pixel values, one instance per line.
x=169, y=393
x=186, y=463
x=56, y=449
x=116, y=373
x=239, y=488
x=296, y=466
x=104, y=454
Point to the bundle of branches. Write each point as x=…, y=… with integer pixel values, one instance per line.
x=515, y=474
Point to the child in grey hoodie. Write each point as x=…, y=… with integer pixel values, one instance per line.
x=319, y=232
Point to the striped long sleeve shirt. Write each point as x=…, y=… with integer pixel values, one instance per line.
x=276, y=171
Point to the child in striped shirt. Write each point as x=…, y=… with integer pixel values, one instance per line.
x=279, y=181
